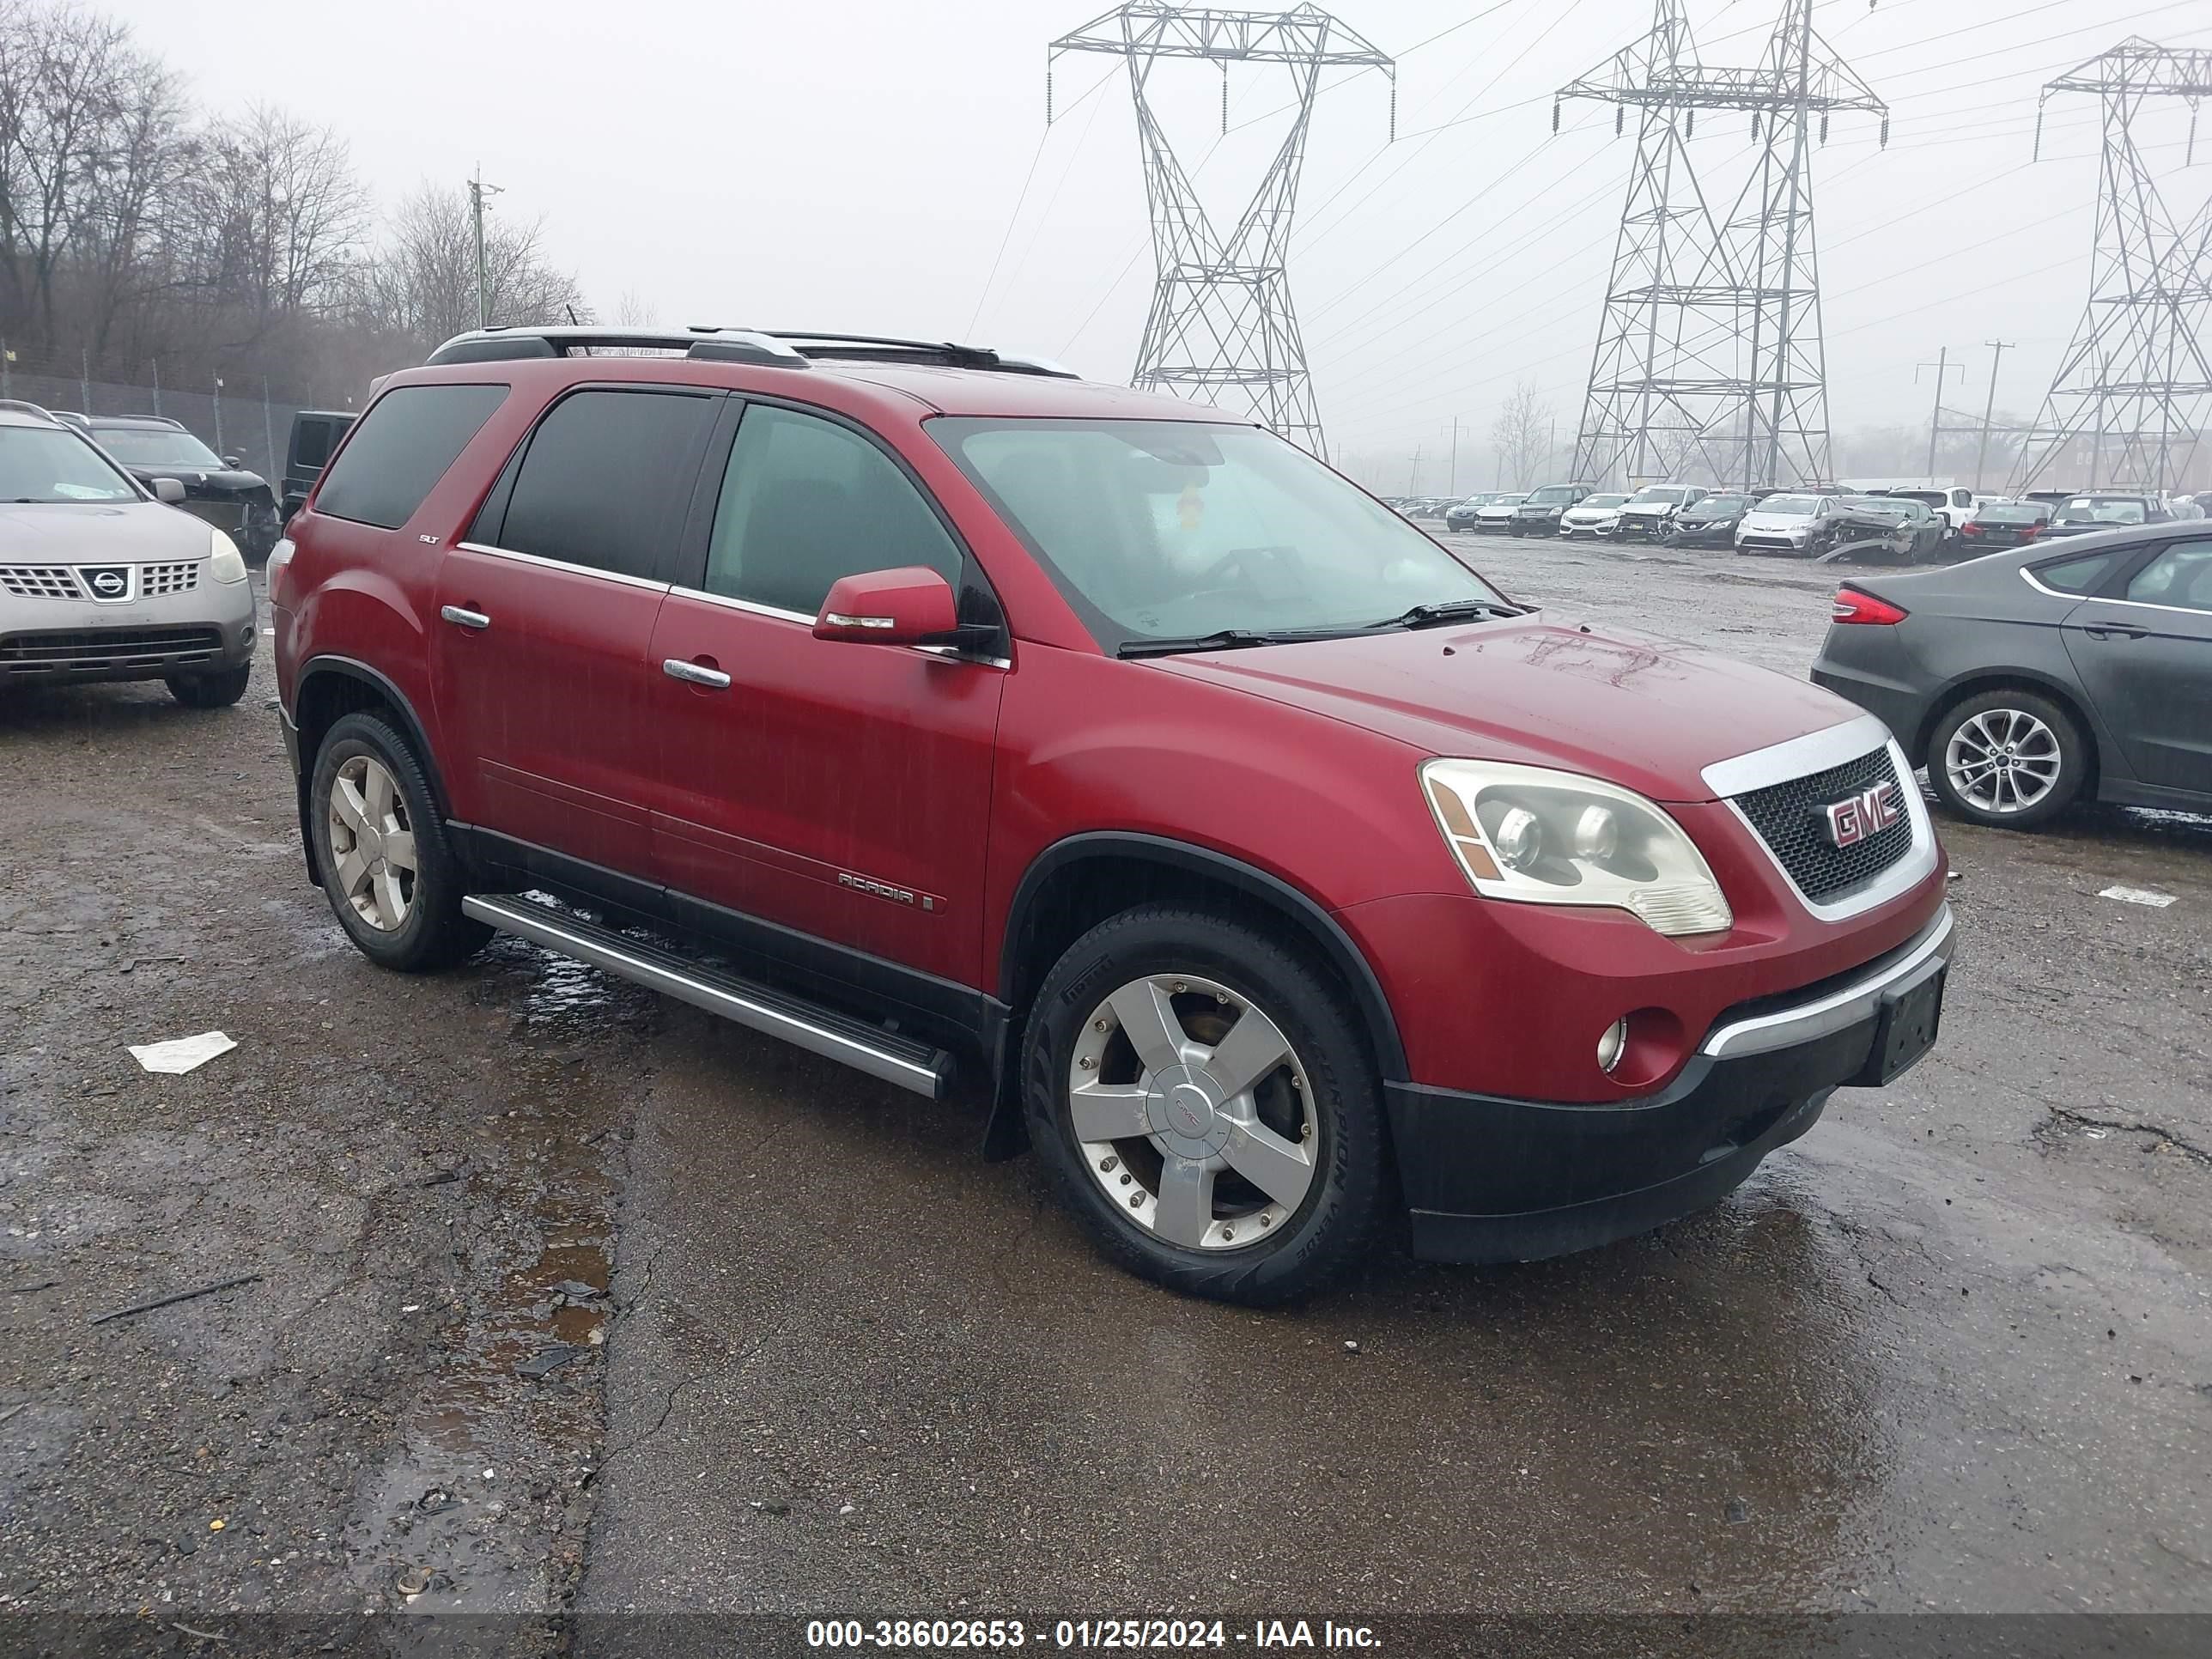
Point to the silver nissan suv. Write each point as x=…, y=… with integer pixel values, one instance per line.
x=102, y=579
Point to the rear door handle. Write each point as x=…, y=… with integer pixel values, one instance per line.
x=692, y=673
x=475, y=621
x=2111, y=630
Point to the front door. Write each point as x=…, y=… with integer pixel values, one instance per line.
x=839, y=790
x=543, y=669
x=2145, y=657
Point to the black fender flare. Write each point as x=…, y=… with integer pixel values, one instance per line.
x=1003, y=1135
x=348, y=668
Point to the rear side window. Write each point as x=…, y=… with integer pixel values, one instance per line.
x=2081, y=575
x=2180, y=577
x=407, y=440
x=806, y=502
x=607, y=479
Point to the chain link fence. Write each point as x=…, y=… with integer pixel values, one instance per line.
x=242, y=421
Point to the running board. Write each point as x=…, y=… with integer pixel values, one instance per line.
x=818, y=1029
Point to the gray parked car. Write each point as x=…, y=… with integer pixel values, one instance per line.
x=102, y=577
x=2027, y=679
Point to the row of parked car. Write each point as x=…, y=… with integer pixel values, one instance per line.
x=1904, y=525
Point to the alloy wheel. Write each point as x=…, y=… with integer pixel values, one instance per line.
x=372, y=843
x=2002, y=761
x=1193, y=1112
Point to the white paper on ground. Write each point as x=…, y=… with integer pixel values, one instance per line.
x=180, y=1054
x=2138, y=895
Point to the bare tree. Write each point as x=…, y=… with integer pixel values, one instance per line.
x=267, y=222
x=637, y=310
x=1522, y=435
x=420, y=282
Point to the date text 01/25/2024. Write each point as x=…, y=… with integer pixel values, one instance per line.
x=949, y=1635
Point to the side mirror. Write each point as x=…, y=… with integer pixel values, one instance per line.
x=233, y=462
x=171, y=490
x=908, y=606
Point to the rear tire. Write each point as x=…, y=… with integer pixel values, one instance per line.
x=381, y=854
x=2009, y=760
x=218, y=690
x=1257, y=1196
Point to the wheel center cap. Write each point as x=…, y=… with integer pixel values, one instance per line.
x=1184, y=1115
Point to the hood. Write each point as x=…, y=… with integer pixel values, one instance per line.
x=1647, y=509
x=1646, y=713
x=100, y=532
x=1592, y=513
x=1713, y=514
x=1755, y=519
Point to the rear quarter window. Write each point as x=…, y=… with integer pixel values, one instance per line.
x=2081, y=575
x=405, y=443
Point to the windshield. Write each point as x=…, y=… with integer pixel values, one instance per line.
x=157, y=445
x=1657, y=495
x=44, y=464
x=1552, y=495
x=2099, y=509
x=2015, y=513
x=1603, y=500
x=1790, y=507
x=1175, y=530
x=1719, y=504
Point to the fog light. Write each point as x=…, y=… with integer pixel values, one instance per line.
x=1612, y=1044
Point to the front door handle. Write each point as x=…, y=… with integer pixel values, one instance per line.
x=2111, y=630
x=475, y=621
x=692, y=673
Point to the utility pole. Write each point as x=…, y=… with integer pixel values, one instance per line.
x=1997, y=349
x=1943, y=365
x=157, y=383
x=218, y=415
x=1413, y=484
x=84, y=377
x=1455, y=461
x=2135, y=383
x=1221, y=326
x=477, y=191
x=1710, y=350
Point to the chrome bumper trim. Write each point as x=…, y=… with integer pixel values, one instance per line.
x=1837, y=1010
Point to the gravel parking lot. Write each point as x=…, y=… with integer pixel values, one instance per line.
x=566, y=1297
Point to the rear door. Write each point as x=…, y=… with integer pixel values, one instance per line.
x=836, y=789
x=2145, y=656
x=542, y=656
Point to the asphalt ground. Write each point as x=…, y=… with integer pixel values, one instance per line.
x=567, y=1297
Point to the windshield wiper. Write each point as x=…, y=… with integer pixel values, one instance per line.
x=1226, y=639
x=1449, y=610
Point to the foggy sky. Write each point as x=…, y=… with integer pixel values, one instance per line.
x=853, y=164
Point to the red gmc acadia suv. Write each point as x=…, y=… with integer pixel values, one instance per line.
x=1259, y=864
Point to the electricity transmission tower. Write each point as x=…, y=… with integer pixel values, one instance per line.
x=2134, y=384
x=1221, y=323
x=1709, y=358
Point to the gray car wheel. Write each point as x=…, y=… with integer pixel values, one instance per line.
x=2008, y=759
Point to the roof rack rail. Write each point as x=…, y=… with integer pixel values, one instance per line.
x=24, y=406
x=769, y=347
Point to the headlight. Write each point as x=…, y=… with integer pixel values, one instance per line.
x=1543, y=837
x=224, y=563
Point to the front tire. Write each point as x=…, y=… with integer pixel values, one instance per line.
x=216, y=691
x=2009, y=760
x=381, y=854
x=1202, y=1100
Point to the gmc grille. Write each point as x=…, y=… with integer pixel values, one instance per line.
x=1789, y=819
x=106, y=650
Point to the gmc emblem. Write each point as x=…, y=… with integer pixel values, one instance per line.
x=1850, y=822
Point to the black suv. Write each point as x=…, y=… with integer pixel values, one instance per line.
x=315, y=433
x=216, y=488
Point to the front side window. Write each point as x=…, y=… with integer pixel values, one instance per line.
x=807, y=500
x=154, y=446
x=607, y=479
x=45, y=465
x=1171, y=530
x=2181, y=577
x=407, y=440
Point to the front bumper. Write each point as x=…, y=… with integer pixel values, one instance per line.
x=207, y=629
x=1646, y=526
x=1490, y=1180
